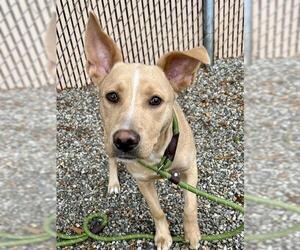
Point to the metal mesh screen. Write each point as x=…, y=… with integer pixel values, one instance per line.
x=22, y=57
x=229, y=28
x=143, y=29
x=275, y=31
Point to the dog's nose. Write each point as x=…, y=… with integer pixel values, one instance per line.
x=126, y=140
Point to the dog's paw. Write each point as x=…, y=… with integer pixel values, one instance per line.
x=114, y=188
x=163, y=241
x=193, y=236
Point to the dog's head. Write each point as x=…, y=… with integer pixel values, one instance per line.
x=136, y=100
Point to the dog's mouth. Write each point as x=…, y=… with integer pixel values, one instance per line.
x=125, y=156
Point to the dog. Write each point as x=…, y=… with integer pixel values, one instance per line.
x=137, y=103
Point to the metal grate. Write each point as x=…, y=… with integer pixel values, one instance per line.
x=143, y=29
x=22, y=57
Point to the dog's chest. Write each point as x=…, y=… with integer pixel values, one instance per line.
x=141, y=173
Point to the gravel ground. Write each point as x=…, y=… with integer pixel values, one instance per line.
x=272, y=156
x=214, y=108
x=27, y=161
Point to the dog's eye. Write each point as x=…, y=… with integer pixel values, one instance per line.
x=112, y=97
x=155, y=101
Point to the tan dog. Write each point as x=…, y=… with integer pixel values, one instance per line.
x=137, y=104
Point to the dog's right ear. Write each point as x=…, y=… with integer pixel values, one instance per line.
x=101, y=51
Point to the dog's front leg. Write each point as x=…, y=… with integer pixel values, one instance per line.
x=113, y=181
x=190, y=221
x=163, y=240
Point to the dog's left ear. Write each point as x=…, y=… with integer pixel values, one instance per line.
x=180, y=67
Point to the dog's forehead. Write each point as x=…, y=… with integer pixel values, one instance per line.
x=126, y=71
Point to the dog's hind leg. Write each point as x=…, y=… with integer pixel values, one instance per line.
x=190, y=222
x=163, y=240
x=113, y=181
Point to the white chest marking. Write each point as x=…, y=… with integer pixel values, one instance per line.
x=135, y=84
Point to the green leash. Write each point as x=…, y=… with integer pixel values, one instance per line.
x=161, y=169
x=67, y=240
x=7, y=240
